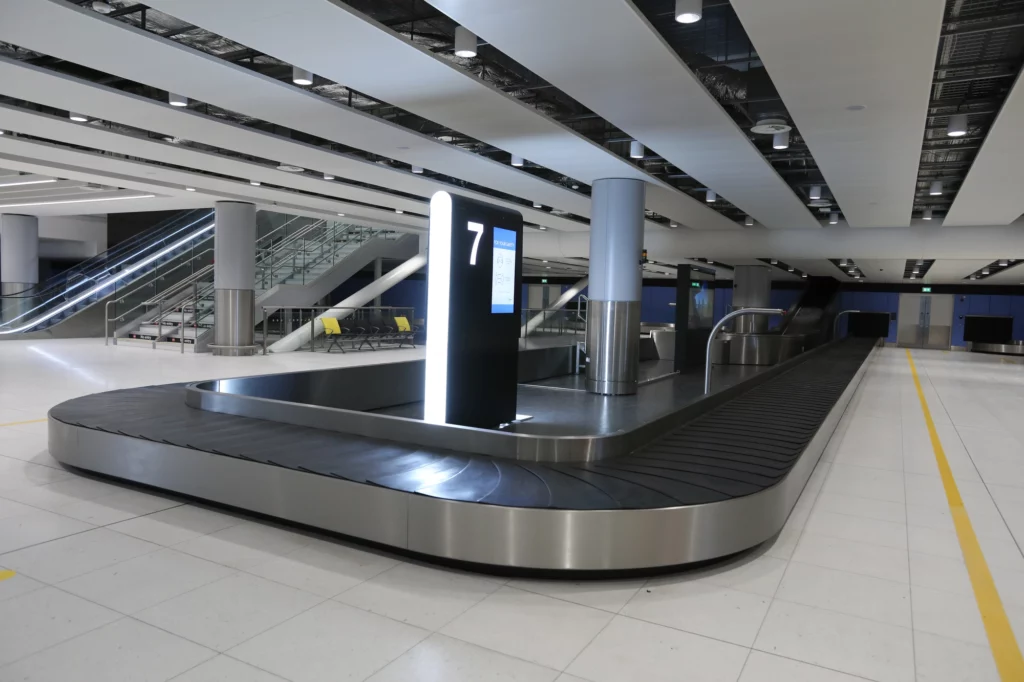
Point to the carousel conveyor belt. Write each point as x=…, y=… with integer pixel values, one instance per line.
x=739, y=448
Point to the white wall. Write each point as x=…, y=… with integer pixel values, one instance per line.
x=72, y=237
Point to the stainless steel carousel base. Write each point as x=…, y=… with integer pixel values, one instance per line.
x=546, y=539
x=1011, y=348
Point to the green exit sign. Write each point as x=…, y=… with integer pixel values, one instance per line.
x=926, y=290
x=543, y=281
x=695, y=285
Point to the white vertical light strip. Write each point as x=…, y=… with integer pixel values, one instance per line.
x=439, y=250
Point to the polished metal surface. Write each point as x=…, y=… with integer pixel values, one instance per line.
x=514, y=537
x=752, y=288
x=665, y=343
x=835, y=322
x=708, y=364
x=613, y=345
x=1011, y=348
x=235, y=326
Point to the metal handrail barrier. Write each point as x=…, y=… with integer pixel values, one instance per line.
x=835, y=322
x=721, y=323
x=197, y=315
x=279, y=256
x=410, y=311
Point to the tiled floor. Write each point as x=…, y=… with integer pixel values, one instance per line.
x=866, y=582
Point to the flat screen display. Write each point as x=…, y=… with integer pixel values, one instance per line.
x=503, y=274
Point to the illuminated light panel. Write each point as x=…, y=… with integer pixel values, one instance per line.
x=435, y=383
x=78, y=201
x=26, y=182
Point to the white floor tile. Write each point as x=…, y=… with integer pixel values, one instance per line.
x=145, y=581
x=16, y=585
x=939, y=573
x=324, y=568
x=762, y=667
x=425, y=597
x=947, y=660
x=119, y=506
x=124, y=651
x=17, y=475
x=858, y=528
x=9, y=508
x=226, y=669
x=629, y=649
x=949, y=615
x=540, y=629
x=245, y=545
x=565, y=677
x=857, y=595
x=443, y=659
x=856, y=557
x=59, y=560
x=749, y=573
x=42, y=618
x=607, y=595
x=63, y=493
x=837, y=641
x=228, y=612
x=875, y=484
x=893, y=512
x=176, y=525
x=36, y=527
x=701, y=608
x=330, y=642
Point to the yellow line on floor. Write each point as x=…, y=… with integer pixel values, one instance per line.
x=4, y=575
x=1000, y=635
x=30, y=421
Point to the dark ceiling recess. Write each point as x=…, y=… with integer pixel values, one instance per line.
x=719, y=52
x=917, y=268
x=994, y=268
x=980, y=53
x=849, y=268
x=776, y=263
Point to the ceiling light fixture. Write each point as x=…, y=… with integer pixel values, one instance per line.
x=985, y=271
x=255, y=183
x=912, y=277
x=815, y=193
x=974, y=277
x=957, y=126
x=842, y=263
x=774, y=262
x=919, y=262
x=465, y=42
x=936, y=189
x=177, y=100
x=341, y=215
x=417, y=170
x=804, y=275
x=80, y=118
x=927, y=214
x=575, y=186
x=517, y=161
x=711, y=196
x=673, y=224
x=26, y=182
x=917, y=271
x=190, y=189
x=1003, y=263
x=290, y=168
x=689, y=11
x=792, y=269
x=541, y=228
x=749, y=221
x=78, y=201
x=781, y=140
x=301, y=76
x=833, y=218
x=328, y=176
x=102, y=7
x=636, y=149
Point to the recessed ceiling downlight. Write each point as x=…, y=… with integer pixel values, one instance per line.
x=289, y=168
x=771, y=126
x=465, y=42
x=957, y=126
x=689, y=11
x=301, y=76
x=781, y=140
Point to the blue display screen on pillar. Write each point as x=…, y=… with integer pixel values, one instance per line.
x=503, y=272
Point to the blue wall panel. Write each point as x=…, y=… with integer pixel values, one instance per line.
x=654, y=304
x=961, y=307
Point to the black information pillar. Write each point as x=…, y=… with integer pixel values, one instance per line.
x=474, y=298
x=681, y=362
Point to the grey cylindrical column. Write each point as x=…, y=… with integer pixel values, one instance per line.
x=613, y=314
x=378, y=270
x=19, y=263
x=751, y=288
x=234, y=278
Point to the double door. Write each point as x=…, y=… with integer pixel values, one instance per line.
x=924, y=321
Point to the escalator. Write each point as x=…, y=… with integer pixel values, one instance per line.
x=66, y=305
x=811, y=316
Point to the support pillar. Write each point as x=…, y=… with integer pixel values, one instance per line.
x=751, y=288
x=616, y=279
x=19, y=263
x=378, y=270
x=234, y=278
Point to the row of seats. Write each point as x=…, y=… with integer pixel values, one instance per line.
x=376, y=330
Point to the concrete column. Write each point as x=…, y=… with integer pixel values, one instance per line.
x=616, y=279
x=378, y=270
x=19, y=263
x=234, y=278
x=751, y=288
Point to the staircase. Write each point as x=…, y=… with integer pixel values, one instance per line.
x=298, y=263
x=66, y=305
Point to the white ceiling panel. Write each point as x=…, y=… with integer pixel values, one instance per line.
x=991, y=193
x=606, y=55
x=818, y=267
x=84, y=37
x=43, y=86
x=389, y=67
x=880, y=270
x=826, y=56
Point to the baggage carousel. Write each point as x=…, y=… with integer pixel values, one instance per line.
x=590, y=484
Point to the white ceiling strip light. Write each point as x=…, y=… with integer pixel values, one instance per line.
x=78, y=201
x=26, y=182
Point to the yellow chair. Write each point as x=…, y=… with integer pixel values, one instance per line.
x=333, y=332
x=403, y=324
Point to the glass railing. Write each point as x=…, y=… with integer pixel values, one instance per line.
x=303, y=257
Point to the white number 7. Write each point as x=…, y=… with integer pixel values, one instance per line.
x=479, y=229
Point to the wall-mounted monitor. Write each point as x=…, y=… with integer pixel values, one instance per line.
x=988, y=328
